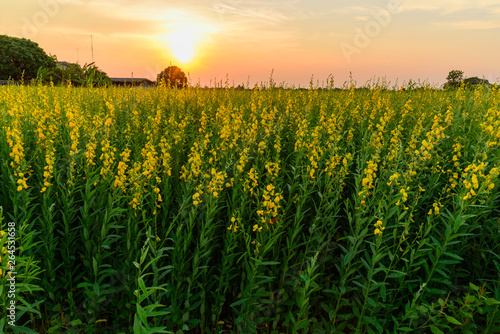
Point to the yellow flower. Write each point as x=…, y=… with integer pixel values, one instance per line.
x=474, y=181
x=4, y=250
x=379, y=227
x=311, y=173
x=257, y=228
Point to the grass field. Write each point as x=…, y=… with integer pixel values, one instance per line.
x=264, y=211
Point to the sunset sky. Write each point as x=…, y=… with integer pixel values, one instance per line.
x=246, y=40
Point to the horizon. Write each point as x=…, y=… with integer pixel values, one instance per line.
x=247, y=42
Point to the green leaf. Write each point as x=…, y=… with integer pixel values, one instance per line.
x=84, y=285
x=453, y=320
x=241, y=301
x=137, y=324
x=94, y=265
x=371, y=302
x=383, y=292
x=158, y=330
x=303, y=323
x=491, y=301
x=76, y=322
x=455, y=256
x=269, y=263
x=22, y=329
x=405, y=329
x=142, y=314
x=142, y=285
x=396, y=274
x=435, y=330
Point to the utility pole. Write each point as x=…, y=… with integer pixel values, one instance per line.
x=92, y=47
x=77, y=56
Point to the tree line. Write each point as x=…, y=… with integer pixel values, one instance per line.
x=23, y=60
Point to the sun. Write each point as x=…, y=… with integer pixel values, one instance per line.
x=185, y=35
x=182, y=43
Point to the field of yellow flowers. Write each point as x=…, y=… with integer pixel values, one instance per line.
x=250, y=211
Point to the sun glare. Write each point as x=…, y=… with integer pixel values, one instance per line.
x=185, y=37
x=182, y=44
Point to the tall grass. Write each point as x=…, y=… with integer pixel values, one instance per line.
x=264, y=211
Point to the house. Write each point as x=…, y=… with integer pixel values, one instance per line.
x=143, y=82
x=64, y=65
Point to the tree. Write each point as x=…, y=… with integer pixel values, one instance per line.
x=22, y=58
x=173, y=77
x=474, y=81
x=89, y=75
x=454, y=78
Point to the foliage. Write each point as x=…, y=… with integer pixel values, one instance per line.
x=172, y=76
x=89, y=75
x=21, y=58
x=473, y=81
x=455, y=78
x=252, y=211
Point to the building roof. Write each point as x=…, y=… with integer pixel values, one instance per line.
x=131, y=80
x=64, y=63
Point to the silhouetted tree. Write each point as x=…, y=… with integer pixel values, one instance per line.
x=173, y=77
x=472, y=81
x=454, y=78
x=21, y=57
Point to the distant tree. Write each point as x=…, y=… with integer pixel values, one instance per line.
x=472, y=81
x=20, y=57
x=89, y=75
x=173, y=76
x=454, y=78
x=93, y=76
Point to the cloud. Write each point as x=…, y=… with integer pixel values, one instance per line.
x=262, y=12
x=447, y=6
x=266, y=15
x=471, y=25
x=362, y=18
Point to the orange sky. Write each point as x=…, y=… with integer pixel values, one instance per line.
x=246, y=40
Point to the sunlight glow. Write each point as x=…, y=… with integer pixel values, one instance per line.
x=185, y=36
x=182, y=43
